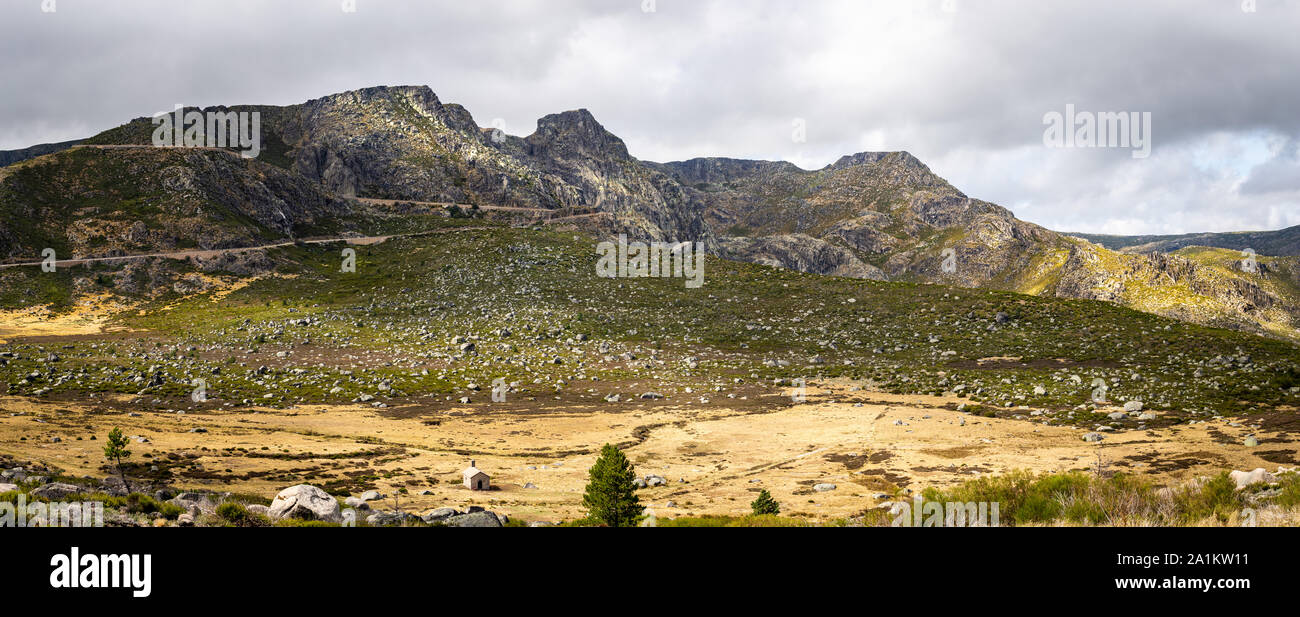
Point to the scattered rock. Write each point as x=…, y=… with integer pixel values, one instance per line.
x=439, y=514
x=474, y=519
x=307, y=502
x=57, y=491
x=1247, y=478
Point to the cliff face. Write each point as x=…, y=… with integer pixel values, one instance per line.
x=93, y=202
x=403, y=143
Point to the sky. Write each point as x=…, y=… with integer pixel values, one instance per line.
x=967, y=86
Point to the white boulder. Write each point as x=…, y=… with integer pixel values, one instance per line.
x=1247, y=478
x=305, y=501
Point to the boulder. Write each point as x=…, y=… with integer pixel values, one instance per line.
x=439, y=514
x=1133, y=406
x=390, y=519
x=1247, y=478
x=307, y=502
x=1093, y=437
x=371, y=495
x=356, y=502
x=5, y=487
x=474, y=519
x=56, y=491
x=823, y=487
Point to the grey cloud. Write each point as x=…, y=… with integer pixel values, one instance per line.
x=1280, y=174
x=964, y=90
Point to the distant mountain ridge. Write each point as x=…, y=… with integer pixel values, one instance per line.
x=1279, y=242
x=880, y=215
x=9, y=157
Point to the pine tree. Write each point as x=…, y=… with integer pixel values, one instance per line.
x=765, y=504
x=116, y=451
x=611, y=497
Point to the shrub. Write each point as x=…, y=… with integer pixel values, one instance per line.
x=1216, y=497
x=296, y=522
x=237, y=515
x=1289, y=497
x=139, y=503
x=765, y=520
x=170, y=511
x=765, y=504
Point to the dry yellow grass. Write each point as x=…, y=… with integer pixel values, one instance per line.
x=724, y=455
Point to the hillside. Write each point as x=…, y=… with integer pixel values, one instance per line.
x=89, y=202
x=887, y=216
x=403, y=143
x=434, y=314
x=881, y=216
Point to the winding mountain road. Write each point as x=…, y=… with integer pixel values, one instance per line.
x=209, y=253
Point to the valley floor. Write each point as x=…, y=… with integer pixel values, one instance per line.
x=870, y=445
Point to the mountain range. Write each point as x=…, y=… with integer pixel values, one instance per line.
x=327, y=163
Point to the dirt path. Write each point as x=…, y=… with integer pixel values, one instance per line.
x=209, y=253
x=544, y=215
x=446, y=204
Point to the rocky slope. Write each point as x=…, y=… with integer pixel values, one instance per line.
x=93, y=202
x=403, y=143
x=881, y=215
x=890, y=213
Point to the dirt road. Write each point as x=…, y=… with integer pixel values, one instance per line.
x=209, y=253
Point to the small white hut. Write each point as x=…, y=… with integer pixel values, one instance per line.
x=476, y=479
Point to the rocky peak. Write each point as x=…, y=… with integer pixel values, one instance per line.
x=861, y=158
x=901, y=159
x=423, y=94
x=719, y=169
x=575, y=132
